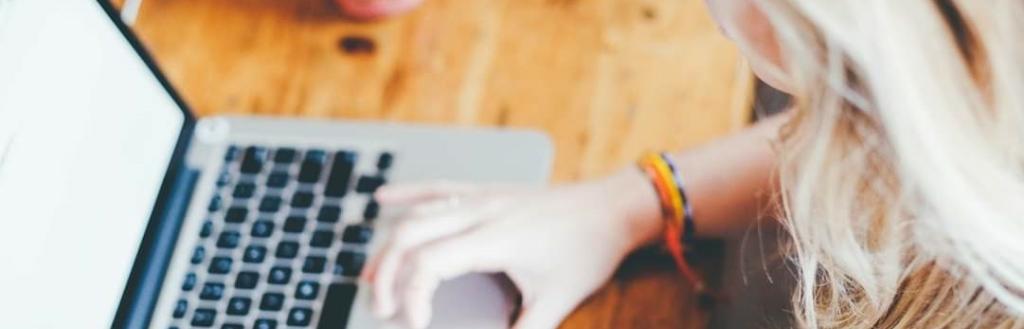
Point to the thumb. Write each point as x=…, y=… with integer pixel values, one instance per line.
x=545, y=312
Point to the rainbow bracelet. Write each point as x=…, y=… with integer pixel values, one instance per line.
x=676, y=211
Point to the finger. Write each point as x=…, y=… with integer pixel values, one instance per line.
x=407, y=235
x=412, y=193
x=441, y=261
x=545, y=312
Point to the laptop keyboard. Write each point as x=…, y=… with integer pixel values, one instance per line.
x=281, y=243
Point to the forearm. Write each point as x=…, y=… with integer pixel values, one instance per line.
x=730, y=183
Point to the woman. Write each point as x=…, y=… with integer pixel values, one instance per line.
x=899, y=174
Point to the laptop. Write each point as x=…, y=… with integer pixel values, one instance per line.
x=119, y=208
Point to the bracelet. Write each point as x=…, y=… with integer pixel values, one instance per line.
x=676, y=211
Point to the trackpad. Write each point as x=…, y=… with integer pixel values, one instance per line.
x=473, y=301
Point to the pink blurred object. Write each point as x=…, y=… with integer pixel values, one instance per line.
x=370, y=9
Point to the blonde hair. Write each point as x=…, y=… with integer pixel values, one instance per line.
x=903, y=168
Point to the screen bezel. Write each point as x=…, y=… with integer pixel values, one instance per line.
x=161, y=217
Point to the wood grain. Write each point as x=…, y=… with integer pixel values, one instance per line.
x=606, y=79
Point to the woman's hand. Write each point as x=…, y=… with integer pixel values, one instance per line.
x=558, y=245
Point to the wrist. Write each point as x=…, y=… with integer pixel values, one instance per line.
x=637, y=205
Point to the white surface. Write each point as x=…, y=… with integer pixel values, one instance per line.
x=87, y=133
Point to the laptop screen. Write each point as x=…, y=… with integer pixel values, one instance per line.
x=86, y=136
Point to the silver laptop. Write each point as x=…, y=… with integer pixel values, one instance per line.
x=120, y=209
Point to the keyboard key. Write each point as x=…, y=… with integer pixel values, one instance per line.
x=198, y=255
x=204, y=317
x=270, y=203
x=287, y=249
x=215, y=203
x=329, y=214
x=212, y=291
x=341, y=174
x=262, y=229
x=311, y=168
x=372, y=210
x=180, y=308
x=247, y=280
x=239, y=305
x=302, y=200
x=300, y=316
x=232, y=326
x=279, y=275
x=190, y=282
x=285, y=155
x=337, y=305
x=265, y=324
x=295, y=224
x=228, y=240
x=307, y=290
x=385, y=161
x=349, y=263
x=206, y=230
x=278, y=179
x=321, y=239
x=255, y=157
x=220, y=265
x=272, y=301
x=254, y=254
x=231, y=154
x=357, y=234
x=370, y=184
x=244, y=190
x=314, y=264
x=236, y=215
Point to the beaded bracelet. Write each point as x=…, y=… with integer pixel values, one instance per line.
x=676, y=211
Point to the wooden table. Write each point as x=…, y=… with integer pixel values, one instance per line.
x=606, y=79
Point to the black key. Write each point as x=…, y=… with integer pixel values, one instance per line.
x=300, y=316
x=272, y=301
x=212, y=291
x=321, y=239
x=265, y=324
x=312, y=166
x=357, y=234
x=204, y=317
x=228, y=240
x=279, y=275
x=277, y=179
x=287, y=249
x=341, y=174
x=329, y=214
x=316, y=155
x=190, y=282
x=215, y=203
x=285, y=155
x=231, y=154
x=220, y=265
x=239, y=305
x=270, y=203
x=206, y=230
x=244, y=190
x=295, y=224
x=385, y=161
x=262, y=228
x=198, y=255
x=236, y=215
x=302, y=200
x=254, y=254
x=372, y=210
x=255, y=157
x=247, y=280
x=314, y=264
x=337, y=305
x=349, y=263
x=370, y=184
x=180, y=308
x=232, y=326
x=224, y=178
x=307, y=290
